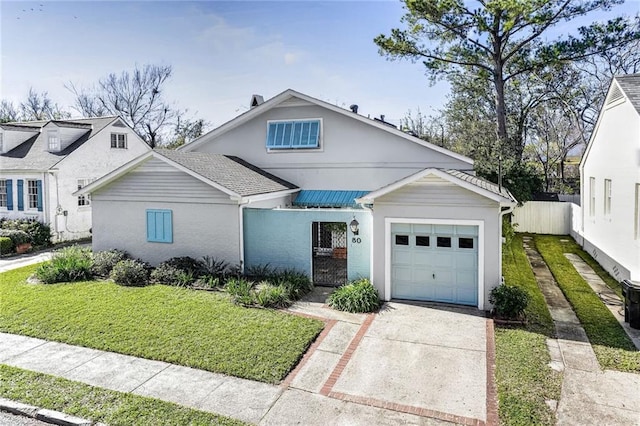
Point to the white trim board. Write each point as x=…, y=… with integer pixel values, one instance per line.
x=388, y=221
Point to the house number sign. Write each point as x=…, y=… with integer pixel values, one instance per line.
x=356, y=240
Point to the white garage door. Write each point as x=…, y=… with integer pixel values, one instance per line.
x=434, y=263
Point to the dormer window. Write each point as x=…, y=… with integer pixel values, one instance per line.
x=293, y=134
x=54, y=140
x=119, y=140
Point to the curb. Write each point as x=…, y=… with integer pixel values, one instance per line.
x=49, y=416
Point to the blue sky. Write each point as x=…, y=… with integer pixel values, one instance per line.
x=221, y=52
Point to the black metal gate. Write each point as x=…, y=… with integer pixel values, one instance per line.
x=329, y=241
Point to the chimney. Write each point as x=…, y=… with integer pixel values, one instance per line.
x=256, y=100
x=354, y=108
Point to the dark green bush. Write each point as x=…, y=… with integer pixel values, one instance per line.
x=104, y=261
x=167, y=274
x=209, y=282
x=357, y=296
x=509, y=302
x=296, y=283
x=130, y=272
x=39, y=233
x=6, y=245
x=17, y=236
x=69, y=264
x=214, y=268
x=187, y=264
x=259, y=272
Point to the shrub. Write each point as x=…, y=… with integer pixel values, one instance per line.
x=260, y=272
x=39, y=233
x=165, y=273
x=270, y=296
x=16, y=236
x=130, y=272
x=6, y=245
x=214, y=268
x=296, y=283
x=206, y=282
x=104, y=261
x=69, y=264
x=357, y=296
x=240, y=291
x=509, y=302
x=187, y=264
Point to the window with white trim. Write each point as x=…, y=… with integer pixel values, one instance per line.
x=293, y=134
x=3, y=193
x=119, y=140
x=53, y=138
x=607, y=196
x=32, y=194
x=637, y=211
x=84, y=200
x=592, y=196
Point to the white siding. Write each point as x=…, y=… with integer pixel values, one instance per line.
x=543, y=217
x=352, y=154
x=614, y=154
x=198, y=230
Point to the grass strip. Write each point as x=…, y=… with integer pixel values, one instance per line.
x=98, y=404
x=192, y=328
x=523, y=377
x=611, y=344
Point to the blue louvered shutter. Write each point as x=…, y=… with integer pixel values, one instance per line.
x=20, y=195
x=160, y=226
x=39, y=194
x=9, y=194
x=293, y=134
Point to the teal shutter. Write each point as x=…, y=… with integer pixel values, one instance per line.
x=20, y=194
x=9, y=194
x=293, y=134
x=39, y=188
x=159, y=226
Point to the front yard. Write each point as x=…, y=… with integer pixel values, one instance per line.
x=197, y=329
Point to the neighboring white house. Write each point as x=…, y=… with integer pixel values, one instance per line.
x=296, y=182
x=42, y=163
x=610, y=182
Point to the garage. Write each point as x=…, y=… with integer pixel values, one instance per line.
x=434, y=262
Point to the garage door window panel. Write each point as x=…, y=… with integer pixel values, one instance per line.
x=422, y=241
x=444, y=242
x=402, y=240
x=465, y=243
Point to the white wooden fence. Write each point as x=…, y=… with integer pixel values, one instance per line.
x=545, y=217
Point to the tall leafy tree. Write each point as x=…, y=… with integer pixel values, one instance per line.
x=499, y=41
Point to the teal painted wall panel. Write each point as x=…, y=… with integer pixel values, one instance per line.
x=282, y=238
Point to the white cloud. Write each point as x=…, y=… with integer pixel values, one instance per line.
x=290, y=58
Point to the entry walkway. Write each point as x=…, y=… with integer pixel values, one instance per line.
x=589, y=395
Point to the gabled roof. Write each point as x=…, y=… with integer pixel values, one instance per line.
x=231, y=175
x=30, y=154
x=630, y=85
x=472, y=183
x=288, y=94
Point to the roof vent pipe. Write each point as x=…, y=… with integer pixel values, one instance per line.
x=256, y=100
x=354, y=108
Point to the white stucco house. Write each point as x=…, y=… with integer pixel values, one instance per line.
x=42, y=163
x=610, y=182
x=296, y=182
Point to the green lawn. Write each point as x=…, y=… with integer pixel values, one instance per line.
x=192, y=328
x=611, y=344
x=97, y=404
x=523, y=378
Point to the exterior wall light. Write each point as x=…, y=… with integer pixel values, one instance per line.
x=354, y=226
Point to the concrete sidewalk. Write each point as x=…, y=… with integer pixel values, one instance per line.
x=589, y=396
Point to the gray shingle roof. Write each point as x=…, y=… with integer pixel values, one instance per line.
x=630, y=85
x=30, y=155
x=481, y=183
x=229, y=172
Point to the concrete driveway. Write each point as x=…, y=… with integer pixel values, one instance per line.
x=419, y=359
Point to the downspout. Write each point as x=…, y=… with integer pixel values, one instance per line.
x=57, y=203
x=241, y=207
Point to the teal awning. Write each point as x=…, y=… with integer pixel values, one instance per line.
x=323, y=198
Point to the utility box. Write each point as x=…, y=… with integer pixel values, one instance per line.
x=631, y=293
